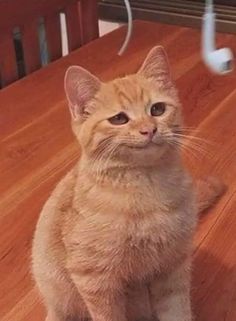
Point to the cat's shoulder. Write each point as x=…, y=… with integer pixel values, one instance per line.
x=62, y=194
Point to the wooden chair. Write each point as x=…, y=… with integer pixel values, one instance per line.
x=26, y=16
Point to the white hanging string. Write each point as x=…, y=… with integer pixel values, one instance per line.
x=129, y=28
x=209, y=6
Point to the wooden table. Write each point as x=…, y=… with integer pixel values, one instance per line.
x=37, y=148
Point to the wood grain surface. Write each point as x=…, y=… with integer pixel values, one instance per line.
x=37, y=149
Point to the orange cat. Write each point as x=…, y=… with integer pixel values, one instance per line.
x=114, y=240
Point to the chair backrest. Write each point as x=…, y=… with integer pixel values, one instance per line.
x=24, y=23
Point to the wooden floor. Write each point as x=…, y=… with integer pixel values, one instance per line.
x=37, y=148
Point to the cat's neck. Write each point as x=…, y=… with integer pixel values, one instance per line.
x=122, y=174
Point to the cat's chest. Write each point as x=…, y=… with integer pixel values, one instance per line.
x=154, y=242
x=138, y=247
x=134, y=234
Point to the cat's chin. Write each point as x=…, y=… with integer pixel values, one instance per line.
x=148, y=154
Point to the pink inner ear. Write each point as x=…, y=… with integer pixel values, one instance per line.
x=156, y=65
x=80, y=87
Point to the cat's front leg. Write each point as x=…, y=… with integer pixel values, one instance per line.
x=105, y=302
x=170, y=295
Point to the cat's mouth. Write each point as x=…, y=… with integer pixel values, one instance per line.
x=142, y=146
x=151, y=143
x=145, y=145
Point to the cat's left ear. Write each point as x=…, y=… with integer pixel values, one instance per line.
x=80, y=87
x=156, y=65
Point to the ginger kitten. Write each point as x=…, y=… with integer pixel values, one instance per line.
x=114, y=240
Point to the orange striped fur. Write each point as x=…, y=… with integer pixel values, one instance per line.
x=114, y=240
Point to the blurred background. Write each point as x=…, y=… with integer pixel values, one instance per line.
x=180, y=12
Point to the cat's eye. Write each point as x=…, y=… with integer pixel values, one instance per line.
x=158, y=109
x=119, y=119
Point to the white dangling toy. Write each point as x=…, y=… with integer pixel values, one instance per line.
x=219, y=61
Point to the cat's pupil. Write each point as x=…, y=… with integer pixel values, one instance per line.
x=158, y=109
x=119, y=119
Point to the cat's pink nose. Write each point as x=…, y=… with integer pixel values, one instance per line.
x=150, y=132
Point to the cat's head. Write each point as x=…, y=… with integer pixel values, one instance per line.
x=130, y=119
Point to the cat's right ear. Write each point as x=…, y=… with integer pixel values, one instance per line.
x=80, y=87
x=156, y=65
